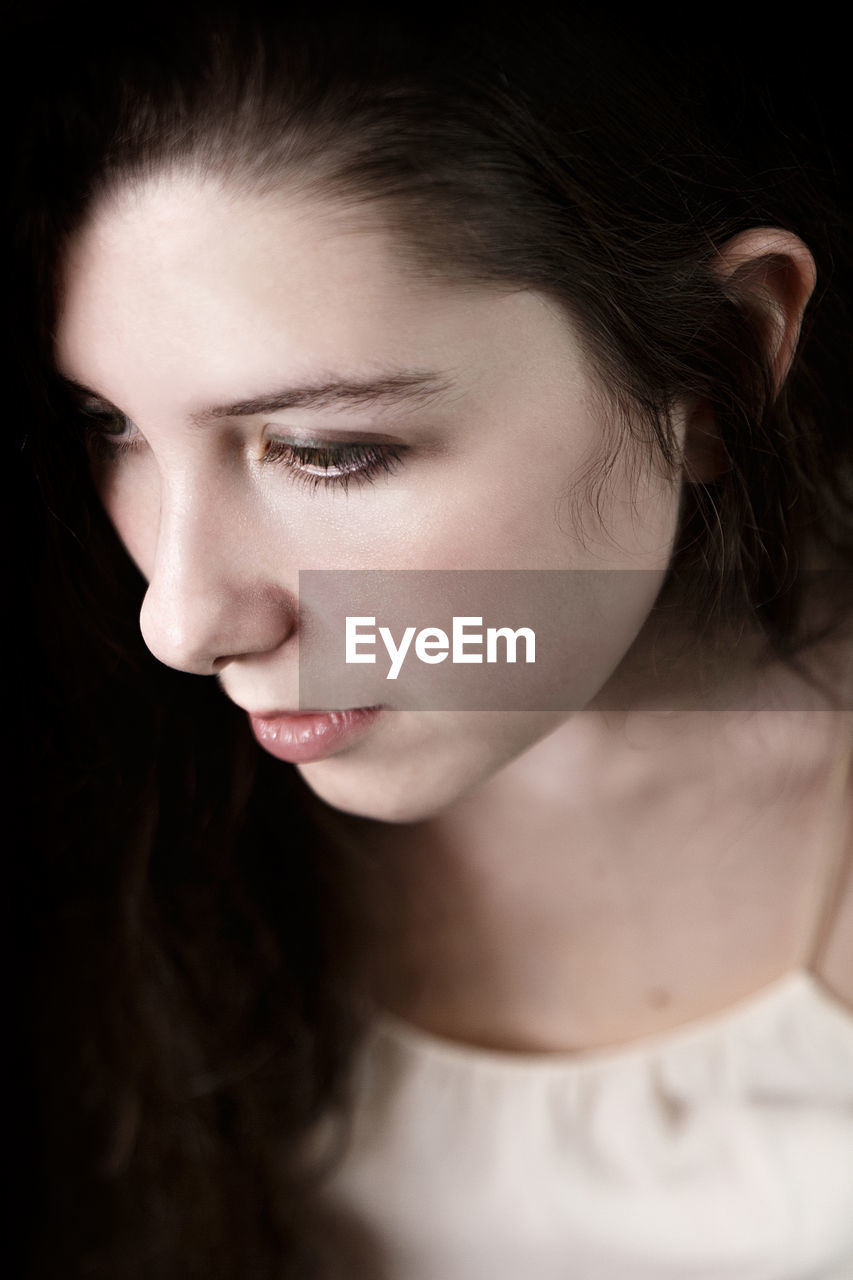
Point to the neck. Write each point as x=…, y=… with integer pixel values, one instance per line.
x=634, y=868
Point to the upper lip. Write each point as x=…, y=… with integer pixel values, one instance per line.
x=278, y=715
x=303, y=711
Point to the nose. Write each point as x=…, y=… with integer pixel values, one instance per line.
x=209, y=600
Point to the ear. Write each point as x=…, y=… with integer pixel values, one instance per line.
x=771, y=273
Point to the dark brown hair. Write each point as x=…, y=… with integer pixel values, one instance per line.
x=199, y=971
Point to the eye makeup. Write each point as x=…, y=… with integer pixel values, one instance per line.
x=339, y=463
x=109, y=435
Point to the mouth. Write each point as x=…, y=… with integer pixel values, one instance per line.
x=300, y=737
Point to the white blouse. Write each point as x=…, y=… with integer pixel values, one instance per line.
x=722, y=1150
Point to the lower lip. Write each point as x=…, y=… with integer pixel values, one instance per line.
x=299, y=739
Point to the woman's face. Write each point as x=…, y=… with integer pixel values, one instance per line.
x=275, y=391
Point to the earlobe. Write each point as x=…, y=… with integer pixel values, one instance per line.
x=771, y=272
x=704, y=455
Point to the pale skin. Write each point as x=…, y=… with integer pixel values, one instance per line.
x=654, y=867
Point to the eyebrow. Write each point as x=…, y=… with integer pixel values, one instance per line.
x=405, y=386
x=396, y=388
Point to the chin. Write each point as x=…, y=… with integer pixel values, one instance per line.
x=383, y=798
x=399, y=790
x=428, y=763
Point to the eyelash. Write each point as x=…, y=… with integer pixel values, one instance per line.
x=336, y=464
x=357, y=463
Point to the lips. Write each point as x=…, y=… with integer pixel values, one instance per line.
x=300, y=737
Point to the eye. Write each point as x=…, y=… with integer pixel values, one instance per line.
x=334, y=464
x=107, y=432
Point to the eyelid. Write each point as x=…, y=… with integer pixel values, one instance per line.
x=333, y=463
x=102, y=443
x=96, y=412
x=92, y=407
x=336, y=462
x=305, y=437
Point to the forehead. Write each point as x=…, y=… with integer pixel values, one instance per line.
x=179, y=261
x=183, y=283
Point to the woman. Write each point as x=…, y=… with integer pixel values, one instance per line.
x=480, y=987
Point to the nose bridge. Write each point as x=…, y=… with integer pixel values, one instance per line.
x=208, y=598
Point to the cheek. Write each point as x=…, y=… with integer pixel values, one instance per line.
x=132, y=502
x=549, y=497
